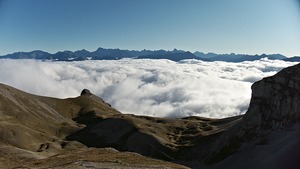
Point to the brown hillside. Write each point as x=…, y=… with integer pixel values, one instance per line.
x=35, y=127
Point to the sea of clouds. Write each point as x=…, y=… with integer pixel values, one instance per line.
x=160, y=88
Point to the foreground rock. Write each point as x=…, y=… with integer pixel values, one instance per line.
x=269, y=133
x=42, y=132
x=275, y=102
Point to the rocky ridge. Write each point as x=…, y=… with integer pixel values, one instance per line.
x=271, y=124
x=275, y=102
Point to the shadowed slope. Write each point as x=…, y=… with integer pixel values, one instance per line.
x=168, y=139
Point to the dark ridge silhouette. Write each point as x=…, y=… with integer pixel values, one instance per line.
x=115, y=54
x=293, y=59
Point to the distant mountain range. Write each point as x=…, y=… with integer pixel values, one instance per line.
x=115, y=54
x=293, y=59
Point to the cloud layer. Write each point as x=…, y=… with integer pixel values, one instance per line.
x=160, y=88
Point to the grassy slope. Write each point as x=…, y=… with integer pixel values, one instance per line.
x=36, y=127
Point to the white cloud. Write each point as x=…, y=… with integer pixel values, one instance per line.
x=147, y=87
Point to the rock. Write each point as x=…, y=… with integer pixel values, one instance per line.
x=275, y=101
x=271, y=123
x=85, y=92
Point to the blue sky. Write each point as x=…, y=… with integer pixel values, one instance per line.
x=240, y=26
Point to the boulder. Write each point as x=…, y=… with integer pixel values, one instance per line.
x=85, y=92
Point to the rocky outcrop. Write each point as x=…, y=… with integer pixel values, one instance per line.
x=268, y=135
x=85, y=92
x=275, y=102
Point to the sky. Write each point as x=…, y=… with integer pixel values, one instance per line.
x=238, y=26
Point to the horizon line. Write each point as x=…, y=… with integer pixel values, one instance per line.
x=167, y=50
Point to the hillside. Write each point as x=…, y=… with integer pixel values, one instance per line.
x=38, y=127
x=34, y=128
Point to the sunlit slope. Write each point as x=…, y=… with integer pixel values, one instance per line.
x=35, y=127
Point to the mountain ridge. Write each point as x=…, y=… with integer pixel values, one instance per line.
x=115, y=54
